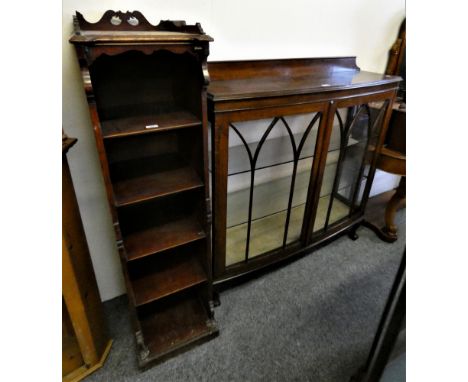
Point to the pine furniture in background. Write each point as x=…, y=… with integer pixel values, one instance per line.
x=85, y=341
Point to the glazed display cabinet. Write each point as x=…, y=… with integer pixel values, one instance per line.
x=293, y=155
x=146, y=91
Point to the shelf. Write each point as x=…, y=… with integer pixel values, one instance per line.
x=266, y=234
x=124, y=127
x=142, y=179
x=165, y=275
x=158, y=238
x=272, y=188
x=175, y=324
x=268, y=198
x=338, y=212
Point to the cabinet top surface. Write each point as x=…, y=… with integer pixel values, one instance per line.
x=231, y=80
x=98, y=37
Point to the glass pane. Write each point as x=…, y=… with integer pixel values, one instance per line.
x=271, y=193
x=366, y=131
x=237, y=213
x=356, y=129
x=274, y=151
x=239, y=183
x=355, y=132
x=304, y=167
x=330, y=178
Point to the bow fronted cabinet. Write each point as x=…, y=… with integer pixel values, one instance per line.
x=146, y=90
x=293, y=155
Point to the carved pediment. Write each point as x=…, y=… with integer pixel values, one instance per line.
x=132, y=21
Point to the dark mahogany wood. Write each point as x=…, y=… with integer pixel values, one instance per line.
x=165, y=275
x=146, y=90
x=265, y=89
x=162, y=237
x=133, y=27
x=172, y=325
x=142, y=179
x=133, y=21
x=123, y=127
x=253, y=79
x=392, y=157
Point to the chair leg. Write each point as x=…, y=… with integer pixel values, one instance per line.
x=390, y=228
x=388, y=232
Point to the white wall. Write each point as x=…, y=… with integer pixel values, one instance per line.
x=242, y=29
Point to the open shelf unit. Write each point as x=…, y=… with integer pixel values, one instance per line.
x=146, y=101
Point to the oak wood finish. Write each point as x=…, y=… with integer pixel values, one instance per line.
x=85, y=342
x=146, y=91
x=259, y=89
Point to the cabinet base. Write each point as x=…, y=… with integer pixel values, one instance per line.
x=154, y=359
x=173, y=327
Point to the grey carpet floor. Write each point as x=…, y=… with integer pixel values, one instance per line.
x=311, y=320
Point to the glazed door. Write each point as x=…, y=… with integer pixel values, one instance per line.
x=353, y=135
x=268, y=172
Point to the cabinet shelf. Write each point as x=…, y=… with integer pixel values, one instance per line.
x=266, y=234
x=268, y=230
x=163, y=236
x=136, y=125
x=142, y=179
x=165, y=275
x=174, y=324
x=271, y=191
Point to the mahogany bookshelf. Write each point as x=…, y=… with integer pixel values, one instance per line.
x=146, y=91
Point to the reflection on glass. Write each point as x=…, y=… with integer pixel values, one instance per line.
x=343, y=184
x=282, y=156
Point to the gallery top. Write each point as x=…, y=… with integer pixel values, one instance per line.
x=132, y=27
x=235, y=80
